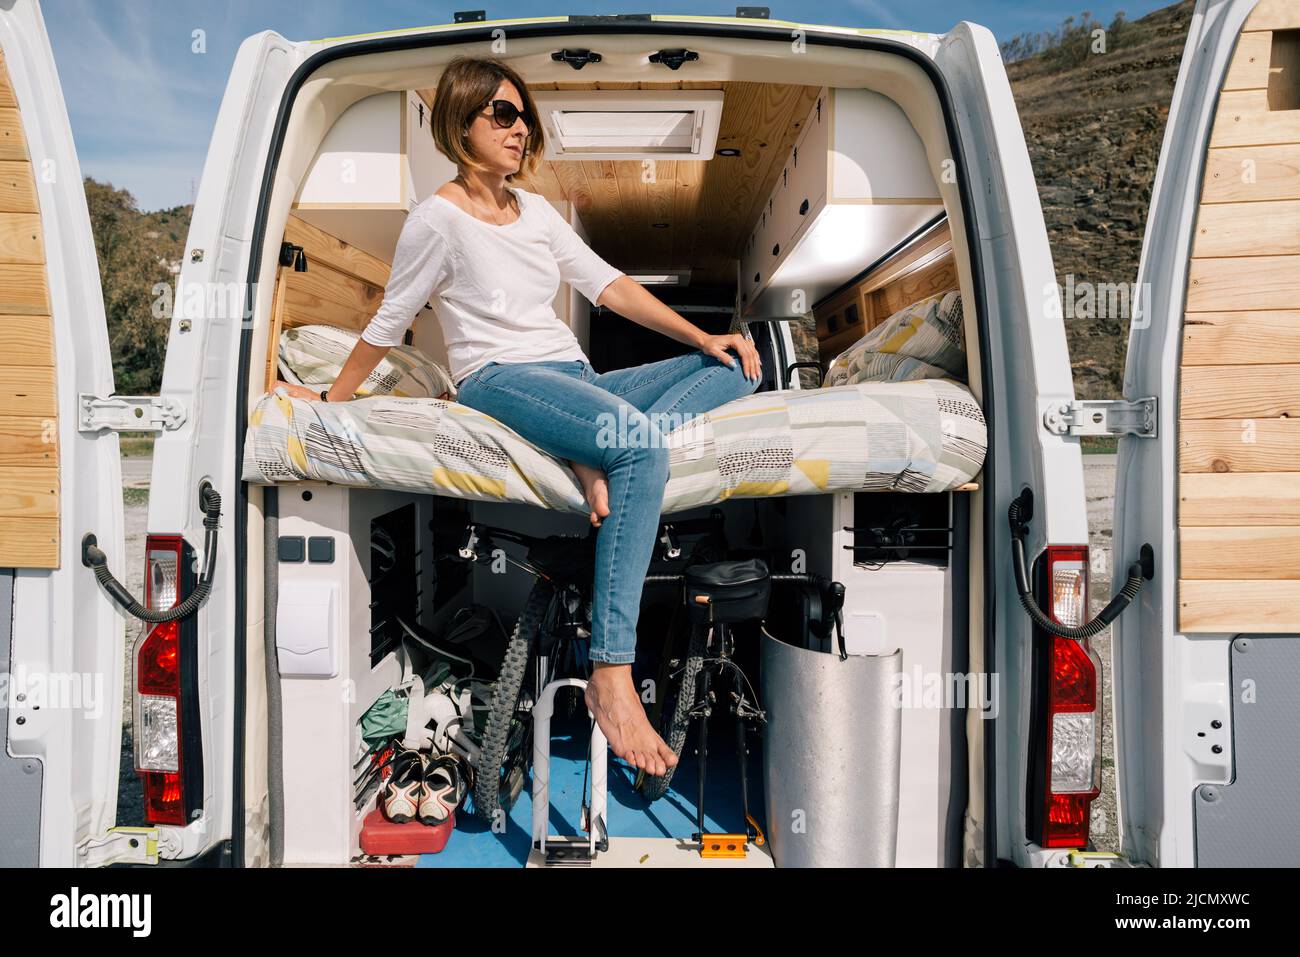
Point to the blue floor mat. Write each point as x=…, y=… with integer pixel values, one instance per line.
x=473, y=844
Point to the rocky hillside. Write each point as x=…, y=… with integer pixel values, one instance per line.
x=1094, y=123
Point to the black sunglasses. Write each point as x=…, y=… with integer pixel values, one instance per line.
x=504, y=114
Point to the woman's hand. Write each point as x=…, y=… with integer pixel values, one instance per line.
x=298, y=391
x=718, y=346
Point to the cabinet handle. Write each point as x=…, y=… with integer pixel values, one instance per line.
x=803, y=208
x=776, y=250
x=755, y=277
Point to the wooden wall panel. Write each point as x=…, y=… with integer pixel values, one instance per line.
x=1241, y=338
x=1239, y=396
x=921, y=270
x=1233, y=607
x=1247, y=445
x=343, y=286
x=1252, y=174
x=29, y=435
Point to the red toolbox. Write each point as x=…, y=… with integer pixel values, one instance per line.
x=380, y=836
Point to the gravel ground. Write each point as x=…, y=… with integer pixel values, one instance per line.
x=1099, y=487
x=135, y=494
x=1099, y=484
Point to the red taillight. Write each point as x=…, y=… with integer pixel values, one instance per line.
x=1073, y=732
x=159, y=661
x=163, y=798
x=158, y=687
x=1074, y=679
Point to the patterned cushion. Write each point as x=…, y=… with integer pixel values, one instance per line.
x=315, y=355
x=926, y=340
x=922, y=436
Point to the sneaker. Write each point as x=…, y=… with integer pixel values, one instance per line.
x=404, y=791
x=444, y=788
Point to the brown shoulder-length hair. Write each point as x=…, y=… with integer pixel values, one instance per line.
x=465, y=87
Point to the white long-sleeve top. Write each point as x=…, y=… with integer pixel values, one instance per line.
x=492, y=287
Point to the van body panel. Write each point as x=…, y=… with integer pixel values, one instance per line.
x=1174, y=691
x=1029, y=361
x=66, y=667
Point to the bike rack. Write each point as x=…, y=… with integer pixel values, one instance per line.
x=566, y=849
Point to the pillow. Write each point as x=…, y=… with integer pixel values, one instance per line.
x=925, y=340
x=316, y=353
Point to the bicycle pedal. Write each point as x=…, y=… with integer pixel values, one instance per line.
x=723, y=846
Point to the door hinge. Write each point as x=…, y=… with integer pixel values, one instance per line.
x=129, y=413
x=1103, y=417
x=1077, y=858
x=121, y=845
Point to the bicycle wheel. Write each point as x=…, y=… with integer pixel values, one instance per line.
x=677, y=709
x=505, y=734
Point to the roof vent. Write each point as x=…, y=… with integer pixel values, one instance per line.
x=629, y=124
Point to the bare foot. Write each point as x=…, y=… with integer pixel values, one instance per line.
x=612, y=698
x=595, y=488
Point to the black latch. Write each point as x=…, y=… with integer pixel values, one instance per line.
x=469, y=16
x=673, y=58
x=295, y=256
x=754, y=13
x=575, y=58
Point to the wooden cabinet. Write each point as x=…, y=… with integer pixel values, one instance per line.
x=856, y=183
x=377, y=162
x=378, y=154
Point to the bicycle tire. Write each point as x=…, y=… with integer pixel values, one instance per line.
x=505, y=701
x=655, y=786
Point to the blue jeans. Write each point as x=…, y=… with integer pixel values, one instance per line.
x=613, y=421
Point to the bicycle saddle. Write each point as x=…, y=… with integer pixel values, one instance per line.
x=728, y=592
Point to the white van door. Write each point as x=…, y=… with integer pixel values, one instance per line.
x=1013, y=815
x=61, y=638
x=1207, y=661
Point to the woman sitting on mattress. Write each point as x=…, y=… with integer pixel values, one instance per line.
x=492, y=257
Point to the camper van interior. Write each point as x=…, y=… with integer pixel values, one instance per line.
x=803, y=201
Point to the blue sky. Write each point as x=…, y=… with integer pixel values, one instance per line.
x=142, y=101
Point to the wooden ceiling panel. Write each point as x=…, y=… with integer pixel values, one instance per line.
x=710, y=206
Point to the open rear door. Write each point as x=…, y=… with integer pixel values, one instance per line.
x=61, y=639
x=1027, y=366
x=1208, y=659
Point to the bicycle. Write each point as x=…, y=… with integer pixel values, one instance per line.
x=549, y=637
x=718, y=597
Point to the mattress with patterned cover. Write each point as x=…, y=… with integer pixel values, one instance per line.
x=926, y=435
